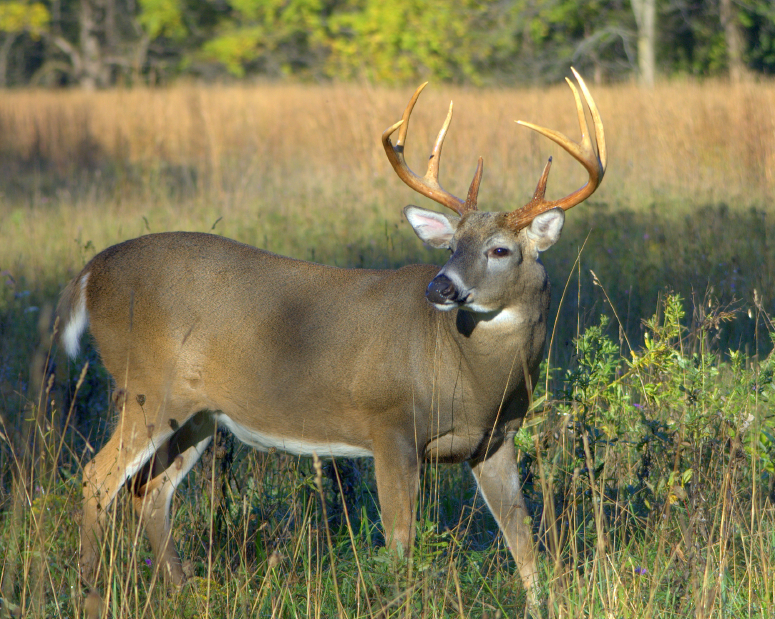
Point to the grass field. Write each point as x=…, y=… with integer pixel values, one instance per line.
x=649, y=468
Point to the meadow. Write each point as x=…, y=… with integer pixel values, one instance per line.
x=649, y=457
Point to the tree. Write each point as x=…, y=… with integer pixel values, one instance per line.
x=84, y=45
x=757, y=21
x=16, y=19
x=734, y=40
x=275, y=37
x=403, y=40
x=95, y=43
x=645, y=12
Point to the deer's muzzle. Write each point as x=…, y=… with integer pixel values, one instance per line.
x=442, y=291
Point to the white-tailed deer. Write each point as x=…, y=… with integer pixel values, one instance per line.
x=405, y=366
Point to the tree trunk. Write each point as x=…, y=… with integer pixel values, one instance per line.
x=734, y=40
x=94, y=72
x=71, y=52
x=645, y=12
x=5, y=50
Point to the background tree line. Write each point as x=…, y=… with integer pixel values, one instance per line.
x=97, y=43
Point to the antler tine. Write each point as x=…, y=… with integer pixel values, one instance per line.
x=427, y=185
x=593, y=160
x=473, y=190
x=596, y=121
x=405, y=118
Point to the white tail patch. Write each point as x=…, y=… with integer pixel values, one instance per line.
x=77, y=322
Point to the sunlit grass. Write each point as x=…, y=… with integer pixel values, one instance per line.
x=301, y=167
x=650, y=480
x=299, y=170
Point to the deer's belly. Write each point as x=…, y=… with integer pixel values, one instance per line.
x=293, y=445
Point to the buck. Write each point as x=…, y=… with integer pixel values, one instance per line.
x=406, y=366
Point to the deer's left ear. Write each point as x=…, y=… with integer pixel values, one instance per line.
x=545, y=229
x=436, y=229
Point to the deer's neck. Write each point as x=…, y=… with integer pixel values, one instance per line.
x=499, y=344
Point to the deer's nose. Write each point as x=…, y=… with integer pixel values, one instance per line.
x=441, y=290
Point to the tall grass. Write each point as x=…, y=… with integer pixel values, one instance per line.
x=711, y=141
x=95, y=165
x=650, y=476
x=651, y=480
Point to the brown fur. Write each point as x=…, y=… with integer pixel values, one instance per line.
x=197, y=329
x=188, y=323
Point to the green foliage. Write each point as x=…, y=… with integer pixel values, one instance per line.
x=234, y=47
x=472, y=41
x=162, y=18
x=758, y=19
x=17, y=16
x=398, y=41
x=284, y=34
x=591, y=382
x=660, y=433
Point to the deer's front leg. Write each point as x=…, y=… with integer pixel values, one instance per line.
x=498, y=479
x=397, y=470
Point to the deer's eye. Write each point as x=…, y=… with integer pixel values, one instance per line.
x=499, y=252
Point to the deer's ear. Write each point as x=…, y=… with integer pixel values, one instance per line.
x=545, y=229
x=435, y=229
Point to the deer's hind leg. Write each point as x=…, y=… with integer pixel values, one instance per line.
x=132, y=444
x=154, y=486
x=146, y=426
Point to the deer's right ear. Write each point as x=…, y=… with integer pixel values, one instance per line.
x=435, y=229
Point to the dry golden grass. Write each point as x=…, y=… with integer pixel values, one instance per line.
x=709, y=142
x=300, y=170
x=683, y=138
x=91, y=166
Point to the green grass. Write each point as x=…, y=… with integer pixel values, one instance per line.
x=650, y=476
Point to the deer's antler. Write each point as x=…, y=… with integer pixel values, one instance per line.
x=593, y=160
x=428, y=185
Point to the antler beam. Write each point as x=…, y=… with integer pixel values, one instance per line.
x=428, y=185
x=594, y=160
